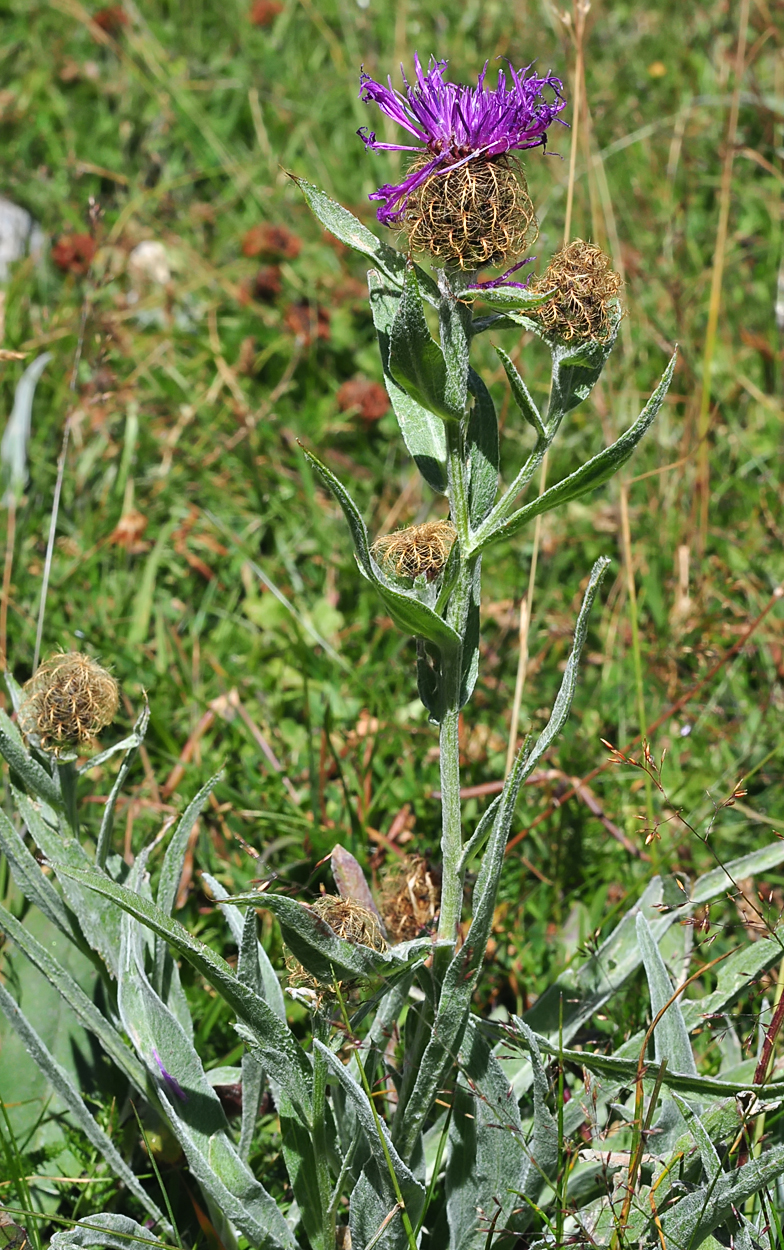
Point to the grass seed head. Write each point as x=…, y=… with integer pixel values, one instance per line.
x=417, y=549
x=411, y=899
x=587, y=289
x=67, y=702
x=472, y=215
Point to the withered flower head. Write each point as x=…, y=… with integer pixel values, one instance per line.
x=350, y=921
x=464, y=197
x=411, y=899
x=587, y=289
x=417, y=549
x=68, y=700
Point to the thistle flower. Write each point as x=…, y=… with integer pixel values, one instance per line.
x=416, y=549
x=350, y=921
x=587, y=289
x=69, y=699
x=464, y=197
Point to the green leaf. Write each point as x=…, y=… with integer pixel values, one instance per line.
x=16, y=435
x=269, y=978
x=83, y=1007
x=576, y=366
x=488, y=1160
x=715, y=882
x=350, y=230
x=699, y=1213
x=108, y=1230
x=543, y=1147
x=483, y=451
x=454, y=318
x=423, y=432
x=30, y=880
x=34, y=777
x=591, y=475
x=64, y=1086
x=416, y=362
x=408, y=612
x=521, y=395
x=671, y=1037
x=103, y=844
x=249, y=973
x=741, y=970
x=512, y=297
x=281, y=1054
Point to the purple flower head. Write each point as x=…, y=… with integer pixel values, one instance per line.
x=454, y=124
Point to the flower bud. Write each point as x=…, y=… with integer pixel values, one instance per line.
x=416, y=550
x=586, y=295
x=68, y=700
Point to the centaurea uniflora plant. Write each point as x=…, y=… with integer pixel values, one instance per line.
x=405, y=1119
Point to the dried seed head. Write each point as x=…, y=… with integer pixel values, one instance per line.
x=411, y=899
x=587, y=289
x=472, y=215
x=68, y=700
x=349, y=920
x=417, y=549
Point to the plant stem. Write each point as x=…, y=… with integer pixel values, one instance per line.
x=324, y=1179
x=68, y=779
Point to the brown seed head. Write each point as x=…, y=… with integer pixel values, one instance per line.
x=411, y=899
x=473, y=215
x=350, y=921
x=68, y=700
x=587, y=288
x=417, y=549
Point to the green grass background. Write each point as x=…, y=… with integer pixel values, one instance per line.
x=182, y=127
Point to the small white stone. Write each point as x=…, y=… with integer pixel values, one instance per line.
x=149, y=262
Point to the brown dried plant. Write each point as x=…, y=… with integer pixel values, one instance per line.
x=587, y=289
x=416, y=549
x=411, y=899
x=472, y=215
x=68, y=701
x=350, y=921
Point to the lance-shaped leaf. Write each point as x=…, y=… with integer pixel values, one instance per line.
x=350, y=230
x=521, y=395
x=692, y=1220
x=488, y=1162
x=107, y=1230
x=408, y=612
x=366, y=1217
x=33, y=775
x=423, y=432
x=576, y=366
x=269, y=978
x=483, y=451
x=416, y=361
x=280, y=1053
x=511, y=297
x=27, y=875
x=107, y=820
x=62, y=1083
x=463, y=972
x=587, y=478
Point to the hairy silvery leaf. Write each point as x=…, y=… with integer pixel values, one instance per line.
x=408, y=612
x=377, y=1195
x=16, y=435
x=743, y=967
x=108, y=1230
x=63, y=1085
x=691, y=1220
x=522, y=395
x=488, y=1162
x=511, y=297
x=249, y=973
x=454, y=319
x=99, y=922
x=269, y=977
x=37, y=888
x=543, y=1146
x=715, y=882
x=587, y=478
x=462, y=974
x=423, y=432
x=483, y=451
x=166, y=977
x=416, y=361
x=33, y=775
x=277, y=1049
x=79, y=1002
x=350, y=230
x=576, y=366
x=193, y=1108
